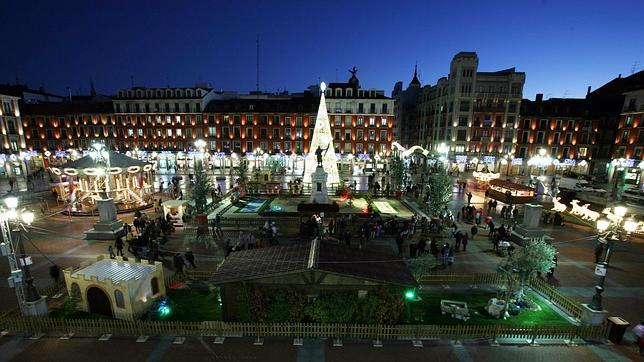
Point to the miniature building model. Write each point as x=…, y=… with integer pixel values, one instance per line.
x=123, y=289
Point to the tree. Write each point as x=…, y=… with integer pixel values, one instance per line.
x=536, y=256
x=422, y=265
x=440, y=192
x=201, y=190
x=397, y=173
x=241, y=172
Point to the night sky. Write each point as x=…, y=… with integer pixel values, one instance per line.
x=563, y=46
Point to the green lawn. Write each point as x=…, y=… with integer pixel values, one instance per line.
x=429, y=311
x=192, y=306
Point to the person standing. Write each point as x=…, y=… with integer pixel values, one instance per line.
x=110, y=250
x=190, y=258
x=459, y=237
x=179, y=263
x=119, y=246
x=54, y=273
x=469, y=198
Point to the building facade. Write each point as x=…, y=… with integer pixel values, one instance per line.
x=474, y=113
x=563, y=127
x=406, y=112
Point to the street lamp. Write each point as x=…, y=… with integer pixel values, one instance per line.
x=611, y=229
x=444, y=149
x=507, y=160
x=541, y=161
x=201, y=147
x=13, y=221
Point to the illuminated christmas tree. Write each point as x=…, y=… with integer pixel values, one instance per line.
x=323, y=139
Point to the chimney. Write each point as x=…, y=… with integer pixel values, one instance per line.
x=588, y=91
x=539, y=98
x=620, y=75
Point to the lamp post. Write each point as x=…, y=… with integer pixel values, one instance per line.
x=444, y=149
x=614, y=228
x=201, y=147
x=258, y=154
x=100, y=154
x=507, y=160
x=541, y=161
x=12, y=222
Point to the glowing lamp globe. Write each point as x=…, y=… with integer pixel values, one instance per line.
x=620, y=211
x=323, y=86
x=11, y=202
x=602, y=225
x=28, y=217
x=410, y=294
x=630, y=225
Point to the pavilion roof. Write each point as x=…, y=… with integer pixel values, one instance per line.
x=116, y=160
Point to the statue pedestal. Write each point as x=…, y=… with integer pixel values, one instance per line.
x=529, y=228
x=591, y=317
x=37, y=308
x=108, y=226
x=319, y=193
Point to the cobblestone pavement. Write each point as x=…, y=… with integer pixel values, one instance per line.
x=59, y=239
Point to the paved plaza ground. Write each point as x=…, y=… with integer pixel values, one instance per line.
x=59, y=239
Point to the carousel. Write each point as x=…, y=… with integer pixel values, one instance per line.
x=102, y=174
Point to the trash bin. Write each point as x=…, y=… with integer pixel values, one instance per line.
x=617, y=329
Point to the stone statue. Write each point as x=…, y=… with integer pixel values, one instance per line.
x=319, y=154
x=353, y=71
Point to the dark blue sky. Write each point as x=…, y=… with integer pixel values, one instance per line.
x=563, y=46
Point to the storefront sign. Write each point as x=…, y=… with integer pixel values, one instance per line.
x=517, y=161
x=363, y=156
x=461, y=159
x=629, y=162
x=569, y=162
x=489, y=159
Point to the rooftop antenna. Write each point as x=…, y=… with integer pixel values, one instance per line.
x=257, y=80
x=634, y=67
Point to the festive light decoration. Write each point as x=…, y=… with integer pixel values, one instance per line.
x=558, y=207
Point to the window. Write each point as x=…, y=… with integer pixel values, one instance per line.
x=565, y=153
x=179, y=132
x=625, y=136
x=336, y=135
x=312, y=121
x=360, y=135
x=371, y=148
x=464, y=106
x=383, y=135
x=360, y=108
x=553, y=152
x=526, y=124
x=372, y=108
x=276, y=120
x=263, y=133
x=462, y=121
x=583, y=151
x=571, y=124
x=139, y=132
x=461, y=135
x=249, y=119
x=225, y=132
x=298, y=133
x=237, y=119
x=277, y=146
x=287, y=121
x=249, y=132
x=347, y=147
x=337, y=121
x=347, y=121
x=539, y=137
x=568, y=138
x=629, y=121
x=276, y=133
x=130, y=132
x=383, y=121
x=359, y=148
x=169, y=132
x=298, y=121
x=119, y=300
x=384, y=108
x=372, y=135
x=347, y=135
x=287, y=146
x=211, y=132
x=640, y=138
x=237, y=132
x=372, y=121
x=638, y=153
x=287, y=133
x=360, y=121
x=555, y=138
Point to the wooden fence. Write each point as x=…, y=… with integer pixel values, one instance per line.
x=97, y=327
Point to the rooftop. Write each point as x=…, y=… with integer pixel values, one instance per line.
x=115, y=270
x=322, y=256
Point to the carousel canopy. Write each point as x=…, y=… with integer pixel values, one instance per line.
x=119, y=163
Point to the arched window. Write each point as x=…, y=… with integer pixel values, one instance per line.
x=76, y=293
x=118, y=298
x=338, y=92
x=349, y=92
x=154, y=283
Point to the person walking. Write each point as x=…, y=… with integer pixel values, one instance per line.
x=474, y=230
x=469, y=198
x=459, y=237
x=110, y=250
x=179, y=263
x=464, y=240
x=119, y=246
x=190, y=258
